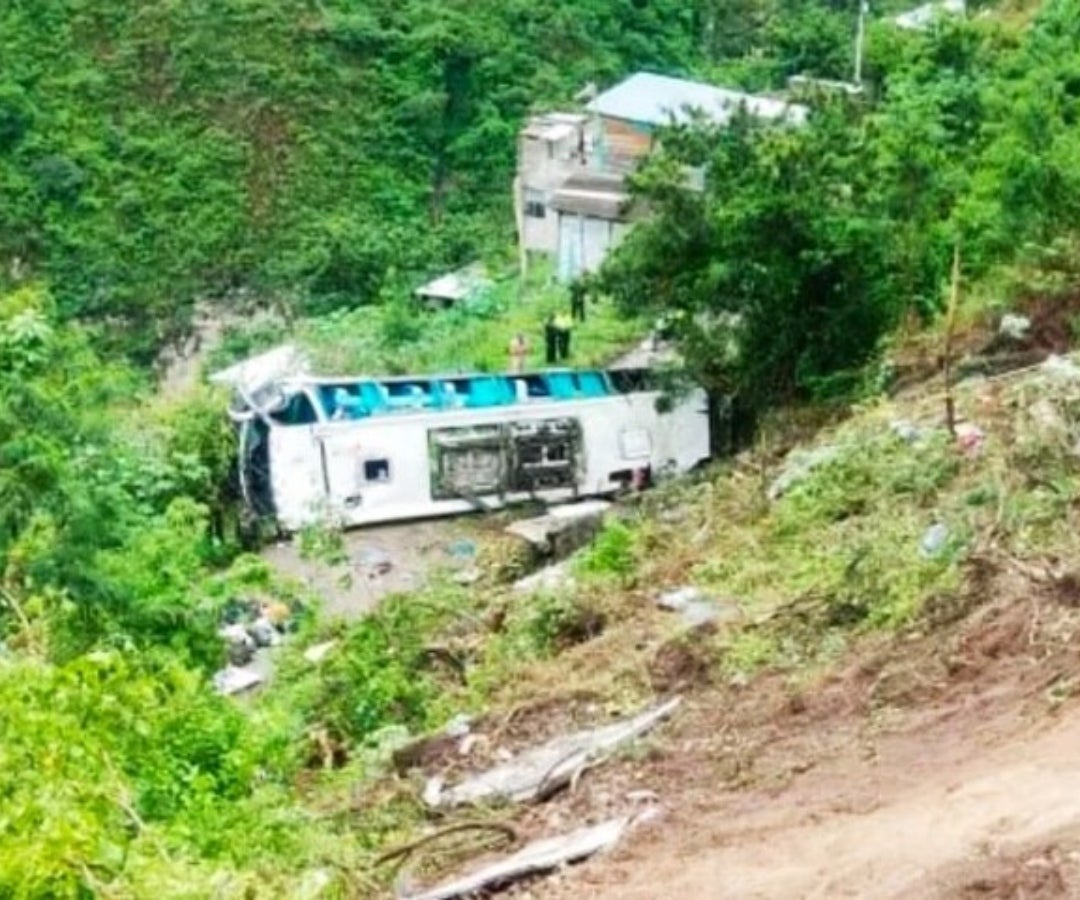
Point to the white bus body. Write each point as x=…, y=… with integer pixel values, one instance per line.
x=366, y=450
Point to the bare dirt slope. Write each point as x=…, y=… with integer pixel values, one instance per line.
x=949, y=767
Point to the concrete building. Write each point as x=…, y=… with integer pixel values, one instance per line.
x=570, y=190
x=591, y=216
x=551, y=148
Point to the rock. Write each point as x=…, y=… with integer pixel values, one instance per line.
x=798, y=465
x=555, y=577
x=1014, y=327
x=234, y=680
x=316, y=653
x=241, y=646
x=933, y=541
x=1061, y=368
x=562, y=529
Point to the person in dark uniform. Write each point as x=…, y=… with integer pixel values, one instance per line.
x=551, y=340
x=563, y=326
x=578, y=291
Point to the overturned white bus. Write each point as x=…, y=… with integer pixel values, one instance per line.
x=358, y=451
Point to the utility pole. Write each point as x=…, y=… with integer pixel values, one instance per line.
x=860, y=36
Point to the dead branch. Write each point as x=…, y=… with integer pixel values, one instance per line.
x=406, y=850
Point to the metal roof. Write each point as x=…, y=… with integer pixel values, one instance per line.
x=658, y=99
x=457, y=285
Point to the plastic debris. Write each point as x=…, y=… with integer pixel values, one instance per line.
x=970, y=439
x=462, y=549
x=798, y=465
x=908, y=432
x=316, y=653
x=264, y=633
x=694, y=606
x=459, y=726
x=1014, y=327
x=234, y=680
x=933, y=541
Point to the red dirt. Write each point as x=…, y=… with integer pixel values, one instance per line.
x=928, y=766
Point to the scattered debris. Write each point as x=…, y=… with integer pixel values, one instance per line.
x=908, y=432
x=235, y=680
x=799, y=464
x=459, y=726
x=316, y=653
x=264, y=633
x=240, y=644
x=933, y=541
x=539, y=772
x=562, y=529
x=537, y=857
x=1014, y=327
x=695, y=607
x=374, y=562
x=555, y=577
x=1061, y=367
x=970, y=438
x=466, y=577
x=462, y=549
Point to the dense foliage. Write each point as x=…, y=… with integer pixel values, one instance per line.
x=317, y=156
x=809, y=244
x=310, y=152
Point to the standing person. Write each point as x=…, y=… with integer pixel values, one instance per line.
x=551, y=340
x=519, y=349
x=563, y=325
x=578, y=291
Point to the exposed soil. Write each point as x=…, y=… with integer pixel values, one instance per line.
x=942, y=765
x=380, y=560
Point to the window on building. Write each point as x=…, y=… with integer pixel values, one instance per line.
x=376, y=470
x=534, y=205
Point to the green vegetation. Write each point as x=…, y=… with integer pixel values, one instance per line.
x=313, y=155
x=314, y=161
x=401, y=336
x=809, y=245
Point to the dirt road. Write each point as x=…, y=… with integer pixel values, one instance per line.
x=919, y=821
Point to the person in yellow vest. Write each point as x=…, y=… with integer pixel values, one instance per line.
x=563, y=325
